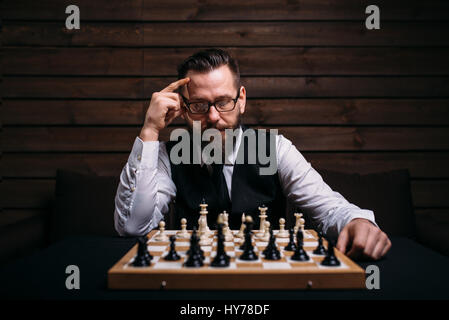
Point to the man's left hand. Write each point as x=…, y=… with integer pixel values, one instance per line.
x=363, y=240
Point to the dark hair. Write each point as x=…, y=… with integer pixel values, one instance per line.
x=208, y=60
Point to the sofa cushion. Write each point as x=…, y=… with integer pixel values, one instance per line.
x=84, y=204
x=388, y=194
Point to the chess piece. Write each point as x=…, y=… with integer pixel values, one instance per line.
x=299, y=224
x=202, y=221
x=248, y=253
x=226, y=230
x=161, y=236
x=291, y=246
x=266, y=234
x=194, y=242
x=195, y=255
x=183, y=234
x=330, y=260
x=143, y=257
x=300, y=254
x=271, y=252
x=263, y=217
x=320, y=250
x=204, y=237
x=172, y=255
x=241, y=233
x=282, y=232
x=221, y=259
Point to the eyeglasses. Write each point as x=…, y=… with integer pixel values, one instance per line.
x=202, y=107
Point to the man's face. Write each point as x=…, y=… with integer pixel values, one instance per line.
x=213, y=86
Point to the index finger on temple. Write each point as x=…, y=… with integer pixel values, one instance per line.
x=172, y=87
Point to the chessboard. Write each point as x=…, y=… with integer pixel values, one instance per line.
x=284, y=273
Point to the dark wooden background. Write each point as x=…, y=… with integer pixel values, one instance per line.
x=351, y=99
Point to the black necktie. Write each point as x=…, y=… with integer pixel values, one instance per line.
x=221, y=187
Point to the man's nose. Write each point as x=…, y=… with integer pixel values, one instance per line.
x=213, y=115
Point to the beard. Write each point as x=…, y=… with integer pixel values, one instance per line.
x=221, y=128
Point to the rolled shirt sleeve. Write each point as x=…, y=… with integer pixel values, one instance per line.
x=145, y=189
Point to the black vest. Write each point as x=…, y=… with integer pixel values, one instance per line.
x=250, y=190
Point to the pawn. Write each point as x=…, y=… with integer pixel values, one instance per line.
x=291, y=246
x=143, y=257
x=161, y=236
x=330, y=260
x=282, y=232
x=183, y=234
x=320, y=250
x=300, y=254
x=172, y=254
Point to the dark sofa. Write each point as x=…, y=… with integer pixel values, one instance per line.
x=84, y=204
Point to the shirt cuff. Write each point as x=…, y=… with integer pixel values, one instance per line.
x=144, y=154
x=363, y=214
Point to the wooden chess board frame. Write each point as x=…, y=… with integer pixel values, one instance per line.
x=302, y=275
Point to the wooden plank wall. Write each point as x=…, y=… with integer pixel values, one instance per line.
x=351, y=99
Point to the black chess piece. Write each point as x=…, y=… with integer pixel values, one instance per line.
x=172, y=255
x=320, y=250
x=195, y=259
x=330, y=260
x=248, y=253
x=143, y=257
x=271, y=252
x=221, y=258
x=300, y=254
x=196, y=240
x=291, y=246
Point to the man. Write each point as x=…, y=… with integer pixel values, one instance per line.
x=209, y=91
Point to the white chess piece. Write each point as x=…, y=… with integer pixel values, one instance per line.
x=226, y=231
x=183, y=234
x=203, y=228
x=266, y=234
x=263, y=217
x=298, y=217
x=241, y=233
x=161, y=236
x=205, y=240
x=282, y=232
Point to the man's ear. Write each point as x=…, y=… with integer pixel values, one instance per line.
x=242, y=99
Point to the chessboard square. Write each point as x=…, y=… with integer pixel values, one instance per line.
x=262, y=244
x=276, y=265
x=170, y=232
x=157, y=248
x=169, y=264
x=250, y=264
x=206, y=248
x=282, y=240
x=231, y=254
x=300, y=264
x=282, y=259
x=182, y=248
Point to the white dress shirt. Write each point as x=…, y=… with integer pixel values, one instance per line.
x=146, y=189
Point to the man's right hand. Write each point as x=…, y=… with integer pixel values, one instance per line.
x=164, y=107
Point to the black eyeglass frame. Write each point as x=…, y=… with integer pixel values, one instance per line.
x=210, y=104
